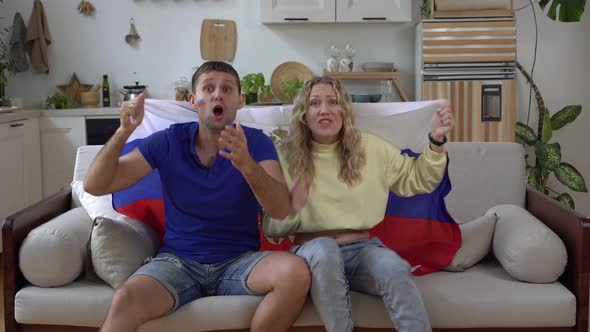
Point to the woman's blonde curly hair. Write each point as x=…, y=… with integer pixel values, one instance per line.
x=298, y=143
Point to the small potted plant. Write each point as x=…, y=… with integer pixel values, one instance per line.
x=265, y=94
x=59, y=101
x=291, y=88
x=251, y=85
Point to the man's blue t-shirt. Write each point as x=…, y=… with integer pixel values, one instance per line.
x=211, y=213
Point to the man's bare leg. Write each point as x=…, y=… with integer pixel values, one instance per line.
x=141, y=299
x=285, y=279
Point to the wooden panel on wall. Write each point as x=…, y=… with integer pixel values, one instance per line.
x=466, y=100
x=480, y=41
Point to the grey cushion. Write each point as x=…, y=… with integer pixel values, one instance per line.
x=53, y=254
x=527, y=248
x=476, y=241
x=482, y=296
x=119, y=248
x=484, y=175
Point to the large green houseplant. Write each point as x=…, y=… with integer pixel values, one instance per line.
x=7, y=66
x=547, y=154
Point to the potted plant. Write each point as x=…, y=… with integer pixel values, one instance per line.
x=546, y=154
x=265, y=94
x=59, y=101
x=6, y=66
x=290, y=88
x=251, y=85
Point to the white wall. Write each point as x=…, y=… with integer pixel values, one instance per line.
x=170, y=48
x=562, y=73
x=170, y=32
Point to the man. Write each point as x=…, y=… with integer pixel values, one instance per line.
x=213, y=176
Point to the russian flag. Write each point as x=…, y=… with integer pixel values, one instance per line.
x=418, y=228
x=144, y=201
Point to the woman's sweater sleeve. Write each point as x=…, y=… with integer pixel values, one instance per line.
x=409, y=176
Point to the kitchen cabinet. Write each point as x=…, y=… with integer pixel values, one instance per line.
x=60, y=138
x=293, y=11
x=20, y=169
x=373, y=11
x=330, y=11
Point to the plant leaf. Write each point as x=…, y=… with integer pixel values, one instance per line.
x=548, y=155
x=533, y=178
x=567, y=115
x=570, y=177
x=547, y=128
x=569, y=10
x=526, y=134
x=566, y=200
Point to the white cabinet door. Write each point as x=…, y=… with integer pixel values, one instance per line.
x=286, y=11
x=32, y=163
x=60, y=138
x=20, y=169
x=373, y=10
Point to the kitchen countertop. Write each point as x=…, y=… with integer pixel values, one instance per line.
x=82, y=111
x=17, y=114
x=12, y=114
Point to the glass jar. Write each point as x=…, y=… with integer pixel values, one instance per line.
x=182, y=89
x=386, y=91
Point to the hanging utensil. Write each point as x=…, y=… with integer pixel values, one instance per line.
x=86, y=8
x=132, y=37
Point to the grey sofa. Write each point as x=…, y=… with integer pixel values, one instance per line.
x=483, y=298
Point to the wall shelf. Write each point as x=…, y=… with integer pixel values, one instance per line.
x=390, y=75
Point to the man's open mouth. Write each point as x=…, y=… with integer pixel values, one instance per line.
x=218, y=111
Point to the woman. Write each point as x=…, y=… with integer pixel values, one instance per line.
x=340, y=181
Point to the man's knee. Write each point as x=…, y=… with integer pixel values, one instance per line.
x=293, y=272
x=123, y=300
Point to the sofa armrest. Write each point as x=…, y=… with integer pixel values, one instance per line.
x=574, y=229
x=14, y=230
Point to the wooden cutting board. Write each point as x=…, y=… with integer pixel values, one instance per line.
x=218, y=40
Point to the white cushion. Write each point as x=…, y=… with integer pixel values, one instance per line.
x=483, y=296
x=119, y=248
x=476, y=240
x=118, y=244
x=53, y=254
x=527, y=248
x=84, y=156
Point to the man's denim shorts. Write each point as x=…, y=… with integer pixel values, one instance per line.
x=188, y=280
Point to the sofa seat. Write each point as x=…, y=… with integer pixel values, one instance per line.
x=483, y=296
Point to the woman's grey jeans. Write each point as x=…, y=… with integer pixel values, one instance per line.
x=368, y=267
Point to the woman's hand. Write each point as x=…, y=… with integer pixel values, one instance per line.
x=299, y=195
x=442, y=121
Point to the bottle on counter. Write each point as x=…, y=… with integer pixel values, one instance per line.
x=106, y=92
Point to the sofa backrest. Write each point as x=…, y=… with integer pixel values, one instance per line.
x=84, y=156
x=484, y=175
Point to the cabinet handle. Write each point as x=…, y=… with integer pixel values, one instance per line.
x=374, y=18
x=17, y=125
x=296, y=19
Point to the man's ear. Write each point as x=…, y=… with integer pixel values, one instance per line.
x=193, y=100
x=242, y=100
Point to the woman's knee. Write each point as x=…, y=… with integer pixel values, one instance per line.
x=320, y=252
